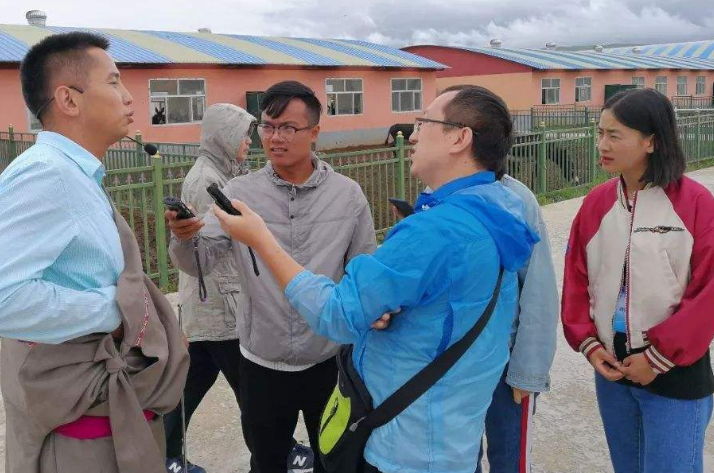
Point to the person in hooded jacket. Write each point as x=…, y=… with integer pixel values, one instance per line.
x=210, y=326
x=437, y=270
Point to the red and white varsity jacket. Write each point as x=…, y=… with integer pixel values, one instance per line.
x=667, y=242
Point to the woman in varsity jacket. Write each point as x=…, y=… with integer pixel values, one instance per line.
x=638, y=294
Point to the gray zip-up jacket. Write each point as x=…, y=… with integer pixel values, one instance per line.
x=224, y=129
x=322, y=224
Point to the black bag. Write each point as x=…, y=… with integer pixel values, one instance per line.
x=349, y=417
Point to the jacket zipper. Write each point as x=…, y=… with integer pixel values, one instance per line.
x=628, y=288
x=333, y=412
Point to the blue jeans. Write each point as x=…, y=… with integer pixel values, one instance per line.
x=647, y=433
x=508, y=431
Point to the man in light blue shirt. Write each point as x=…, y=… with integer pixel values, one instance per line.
x=60, y=255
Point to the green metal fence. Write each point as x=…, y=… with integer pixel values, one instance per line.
x=545, y=160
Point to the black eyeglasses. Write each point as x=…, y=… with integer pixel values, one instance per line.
x=420, y=121
x=46, y=104
x=285, y=132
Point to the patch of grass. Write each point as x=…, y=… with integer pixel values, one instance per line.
x=571, y=192
x=701, y=164
x=580, y=191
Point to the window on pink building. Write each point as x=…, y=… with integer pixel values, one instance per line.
x=406, y=95
x=550, y=91
x=175, y=101
x=638, y=82
x=344, y=96
x=583, y=89
x=661, y=84
x=701, y=85
x=682, y=85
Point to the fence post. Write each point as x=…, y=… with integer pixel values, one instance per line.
x=593, y=149
x=698, y=135
x=159, y=222
x=400, y=166
x=541, y=166
x=139, y=151
x=12, y=146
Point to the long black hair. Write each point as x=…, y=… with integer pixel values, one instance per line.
x=651, y=113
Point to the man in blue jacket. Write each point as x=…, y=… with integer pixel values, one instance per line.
x=438, y=269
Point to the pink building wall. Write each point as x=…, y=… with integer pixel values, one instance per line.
x=520, y=86
x=231, y=85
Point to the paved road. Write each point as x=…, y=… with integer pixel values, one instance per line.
x=568, y=431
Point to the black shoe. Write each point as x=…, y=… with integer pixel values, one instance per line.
x=301, y=459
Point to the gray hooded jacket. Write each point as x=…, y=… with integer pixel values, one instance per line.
x=322, y=224
x=224, y=128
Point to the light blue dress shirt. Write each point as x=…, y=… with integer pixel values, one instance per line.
x=60, y=254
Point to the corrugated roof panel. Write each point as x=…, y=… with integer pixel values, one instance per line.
x=269, y=55
x=210, y=48
x=692, y=49
x=119, y=49
x=370, y=57
x=13, y=49
x=422, y=61
x=309, y=57
x=403, y=62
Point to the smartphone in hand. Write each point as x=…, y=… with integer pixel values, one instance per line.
x=221, y=200
x=404, y=207
x=175, y=204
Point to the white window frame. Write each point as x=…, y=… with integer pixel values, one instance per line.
x=32, y=122
x=166, y=96
x=550, y=87
x=682, y=85
x=414, y=92
x=638, y=81
x=585, y=86
x=701, y=85
x=329, y=93
x=661, y=84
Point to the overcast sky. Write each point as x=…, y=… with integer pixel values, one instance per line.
x=518, y=23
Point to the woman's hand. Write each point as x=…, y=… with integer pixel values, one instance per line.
x=606, y=364
x=249, y=228
x=637, y=369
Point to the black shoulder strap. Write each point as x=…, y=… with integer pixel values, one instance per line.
x=430, y=374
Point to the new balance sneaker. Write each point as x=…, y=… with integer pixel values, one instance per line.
x=301, y=459
x=175, y=465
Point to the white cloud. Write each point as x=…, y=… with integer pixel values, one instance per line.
x=518, y=23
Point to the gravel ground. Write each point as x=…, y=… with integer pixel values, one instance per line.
x=568, y=432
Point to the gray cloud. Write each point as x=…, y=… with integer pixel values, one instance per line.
x=518, y=23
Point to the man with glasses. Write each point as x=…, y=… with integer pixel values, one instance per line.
x=211, y=324
x=80, y=321
x=509, y=419
x=323, y=220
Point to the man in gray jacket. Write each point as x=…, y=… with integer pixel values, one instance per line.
x=210, y=326
x=323, y=220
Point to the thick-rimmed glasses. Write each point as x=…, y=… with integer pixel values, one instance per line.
x=285, y=132
x=46, y=104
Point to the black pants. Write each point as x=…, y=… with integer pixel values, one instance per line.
x=270, y=403
x=207, y=360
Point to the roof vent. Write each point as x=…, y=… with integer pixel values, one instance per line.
x=637, y=50
x=496, y=43
x=550, y=46
x=36, y=18
x=204, y=30
x=598, y=48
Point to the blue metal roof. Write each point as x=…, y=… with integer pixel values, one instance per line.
x=163, y=47
x=692, y=49
x=543, y=59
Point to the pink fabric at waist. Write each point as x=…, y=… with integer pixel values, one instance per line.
x=92, y=427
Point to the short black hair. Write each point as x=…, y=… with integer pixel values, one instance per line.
x=487, y=115
x=651, y=113
x=279, y=95
x=50, y=56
